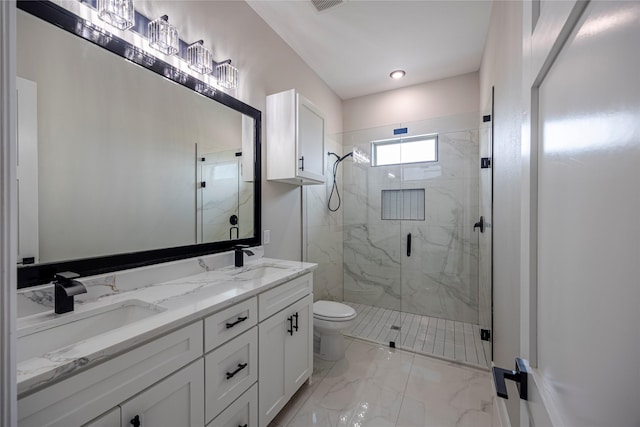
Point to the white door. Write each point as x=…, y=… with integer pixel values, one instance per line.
x=175, y=401
x=272, y=394
x=310, y=141
x=299, y=345
x=580, y=311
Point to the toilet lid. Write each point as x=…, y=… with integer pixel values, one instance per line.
x=332, y=310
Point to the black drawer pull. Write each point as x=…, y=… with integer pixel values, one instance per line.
x=246, y=425
x=290, y=320
x=240, y=320
x=135, y=421
x=296, y=325
x=241, y=366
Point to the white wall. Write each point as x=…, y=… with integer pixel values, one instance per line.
x=502, y=68
x=266, y=65
x=440, y=98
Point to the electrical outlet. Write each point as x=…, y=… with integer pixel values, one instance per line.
x=267, y=237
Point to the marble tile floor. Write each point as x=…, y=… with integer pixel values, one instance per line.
x=421, y=334
x=375, y=385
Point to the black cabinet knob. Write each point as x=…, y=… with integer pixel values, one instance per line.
x=135, y=421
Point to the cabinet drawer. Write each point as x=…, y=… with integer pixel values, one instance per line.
x=229, y=371
x=231, y=322
x=243, y=411
x=274, y=300
x=80, y=398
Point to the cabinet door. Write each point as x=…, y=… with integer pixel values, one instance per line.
x=310, y=141
x=177, y=400
x=110, y=419
x=299, y=346
x=271, y=363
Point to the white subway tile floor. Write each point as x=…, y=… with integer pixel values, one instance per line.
x=375, y=385
x=421, y=334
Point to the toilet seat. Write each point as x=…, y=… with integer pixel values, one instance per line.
x=333, y=311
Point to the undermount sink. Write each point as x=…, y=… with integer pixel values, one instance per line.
x=260, y=272
x=50, y=335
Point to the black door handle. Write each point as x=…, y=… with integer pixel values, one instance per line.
x=409, y=244
x=302, y=163
x=479, y=224
x=296, y=325
x=519, y=376
x=290, y=320
x=240, y=319
x=241, y=366
x=135, y=421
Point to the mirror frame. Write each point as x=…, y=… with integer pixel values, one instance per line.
x=36, y=274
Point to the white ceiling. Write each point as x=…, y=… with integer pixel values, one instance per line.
x=354, y=46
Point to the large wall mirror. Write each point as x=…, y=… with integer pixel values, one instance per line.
x=124, y=161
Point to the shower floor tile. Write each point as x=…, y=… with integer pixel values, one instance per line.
x=421, y=334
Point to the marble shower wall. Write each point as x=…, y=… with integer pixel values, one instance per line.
x=324, y=229
x=440, y=278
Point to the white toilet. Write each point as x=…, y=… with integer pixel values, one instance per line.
x=329, y=320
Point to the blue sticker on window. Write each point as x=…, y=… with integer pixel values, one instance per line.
x=400, y=131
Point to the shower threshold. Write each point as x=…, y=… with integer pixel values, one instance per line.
x=446, y=339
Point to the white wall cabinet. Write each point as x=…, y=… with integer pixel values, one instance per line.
x=286, y=356
x=295, y=139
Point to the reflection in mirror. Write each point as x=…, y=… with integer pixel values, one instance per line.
x=116, y=159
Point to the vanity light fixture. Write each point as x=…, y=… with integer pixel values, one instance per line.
x=199, y=58
x=397, y=74
x=163, y=36
x=226, y=74
x=119, y=13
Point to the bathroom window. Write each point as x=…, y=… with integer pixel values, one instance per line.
x=399, y=151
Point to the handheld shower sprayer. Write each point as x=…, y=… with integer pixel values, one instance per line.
x=334, y=187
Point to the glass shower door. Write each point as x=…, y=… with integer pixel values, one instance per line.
x=439, y=268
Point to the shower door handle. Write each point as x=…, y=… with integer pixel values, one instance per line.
x=479, y=224
x=409, y=244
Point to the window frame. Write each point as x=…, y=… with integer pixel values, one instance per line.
x=400, y=141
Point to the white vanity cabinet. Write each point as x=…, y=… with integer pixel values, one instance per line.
x=295, y=139
x=286, y=352
x=80, y=398
x=238, y=366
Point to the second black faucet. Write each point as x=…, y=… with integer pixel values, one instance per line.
x=240, y=250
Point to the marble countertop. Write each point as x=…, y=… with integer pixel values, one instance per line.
x=182, y=300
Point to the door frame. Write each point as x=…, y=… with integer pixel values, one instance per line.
x=8, y=213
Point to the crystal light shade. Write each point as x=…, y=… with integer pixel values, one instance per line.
x=199, y=58
x=119, y=13
x=163, y=36
x=227, y=75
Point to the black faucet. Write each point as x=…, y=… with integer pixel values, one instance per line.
x=64, y=290
x=240, y=251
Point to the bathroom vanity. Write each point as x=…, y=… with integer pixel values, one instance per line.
x=225, y=346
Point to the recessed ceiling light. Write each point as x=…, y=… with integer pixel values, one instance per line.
x=397, y=74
